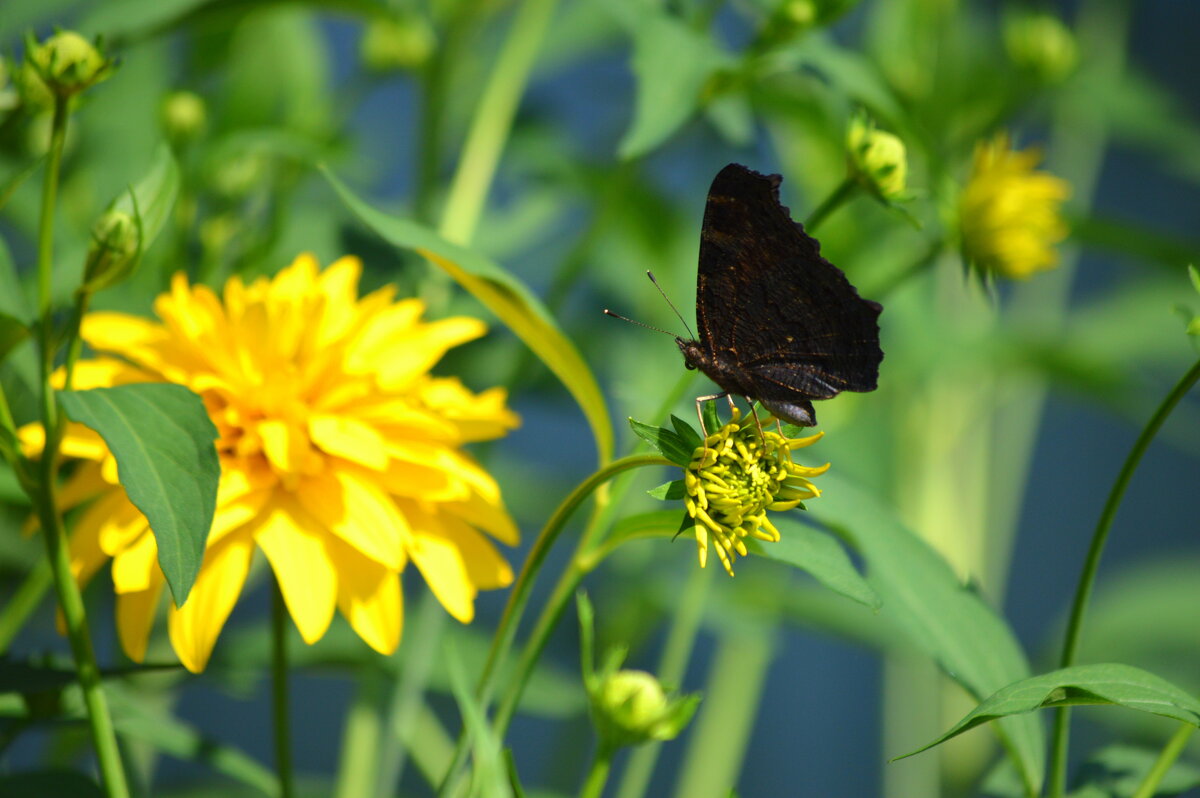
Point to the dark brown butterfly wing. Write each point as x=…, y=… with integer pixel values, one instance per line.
x=769, y=306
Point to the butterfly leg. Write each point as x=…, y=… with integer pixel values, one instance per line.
x=757, y=422
x=701, y=400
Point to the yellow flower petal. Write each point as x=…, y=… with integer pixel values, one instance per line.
x=135, y=617
x=133, y=567
x=369, y=596
x=455, y=561
x=353, y=508
x=350, y=439
x=294, y=543
x=194, y=626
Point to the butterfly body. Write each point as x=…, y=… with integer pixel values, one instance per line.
x=777, y=322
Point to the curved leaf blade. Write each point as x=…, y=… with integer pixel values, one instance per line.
x=154, y=194
x=927, y=603
x=505, y=296
x=820, y=555
x=162, y=438
x=1107, y=683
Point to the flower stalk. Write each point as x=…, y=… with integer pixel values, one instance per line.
x=1062, y=718
x=842, y=194
x=279, y=692
x=44, y=494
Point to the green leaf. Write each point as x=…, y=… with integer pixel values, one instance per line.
x=1194, y=276
x=491, y=777
x=49, y=784
x=927, y=603
x=12, y=332
x=671, y=63
x=505, y=296
x=154, y=195
x=665, y=442
x=712, y=421
x=162, y=439
x=1109, y=683
x=669, y=491
x=819, y=554
x=685, y=431
x=1119, y=770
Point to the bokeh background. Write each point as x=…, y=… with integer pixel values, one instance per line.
x=287, y=85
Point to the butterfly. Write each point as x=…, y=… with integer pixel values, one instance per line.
x=777, y=322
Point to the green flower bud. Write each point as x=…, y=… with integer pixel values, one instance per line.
x=397, y=43
x=237, y=175
x=113, y=254
x=1041, y=44
x=10, y=97
x=30, y=89
x=630, y=708
x=67, y=63
x=183, y=115
x=877, y=159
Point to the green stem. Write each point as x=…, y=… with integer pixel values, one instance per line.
x=493, y=120
x=44, y=494
x=23, y=603
x=279, y=692
x=518, y=599
x=840, y=195
x=1174, y=747
x=1058, y=756
x=677, y=652
x=360, y=738
x=593, y=786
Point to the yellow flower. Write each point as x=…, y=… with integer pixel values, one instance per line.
x=1010, y=214
x=735, y=477
x=340, y=456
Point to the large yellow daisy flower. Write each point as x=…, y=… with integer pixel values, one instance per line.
x=1010, y=214
x=340, y=456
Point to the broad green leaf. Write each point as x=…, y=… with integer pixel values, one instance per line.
x=819, y=554
x=671, y=63
x=154, y=194
x=505, y=296
x=1131, y=238
x=926, y=602
x=12, y=332
x=1119, y=770
x=1108, y=683
x=665, y=442
x=163, y=732
x=162, y=439
x=49, y=784
x=491, y=777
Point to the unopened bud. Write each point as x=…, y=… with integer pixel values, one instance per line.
x=67, y=63
x=183, y=115
x=1041, y=44
x=630, y=707
x=877, y=159
x=397, y=43
x=113, y=253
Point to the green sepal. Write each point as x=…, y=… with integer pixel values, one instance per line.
x=669, y=491
x=665, y=442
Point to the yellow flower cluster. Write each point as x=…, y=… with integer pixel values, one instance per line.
x=1010, y=213
x=341, y=456
x=735, y=477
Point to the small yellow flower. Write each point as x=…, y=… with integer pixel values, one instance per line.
x=1010, y=214
x=735, y=477
x=341, y=456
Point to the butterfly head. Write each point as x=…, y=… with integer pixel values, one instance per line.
x=693, y=356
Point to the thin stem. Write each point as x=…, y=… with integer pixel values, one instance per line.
x=518, y=599
x=1058, y=757
x=44, y=494
x=493, y=120
x=593, y=786
x=677, y=652
x=360, y=738
x=279, y=692
x=843, y=192
x=1174, y=747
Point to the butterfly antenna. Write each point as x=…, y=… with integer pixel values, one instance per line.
x=650, y=274
x=608, y=312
